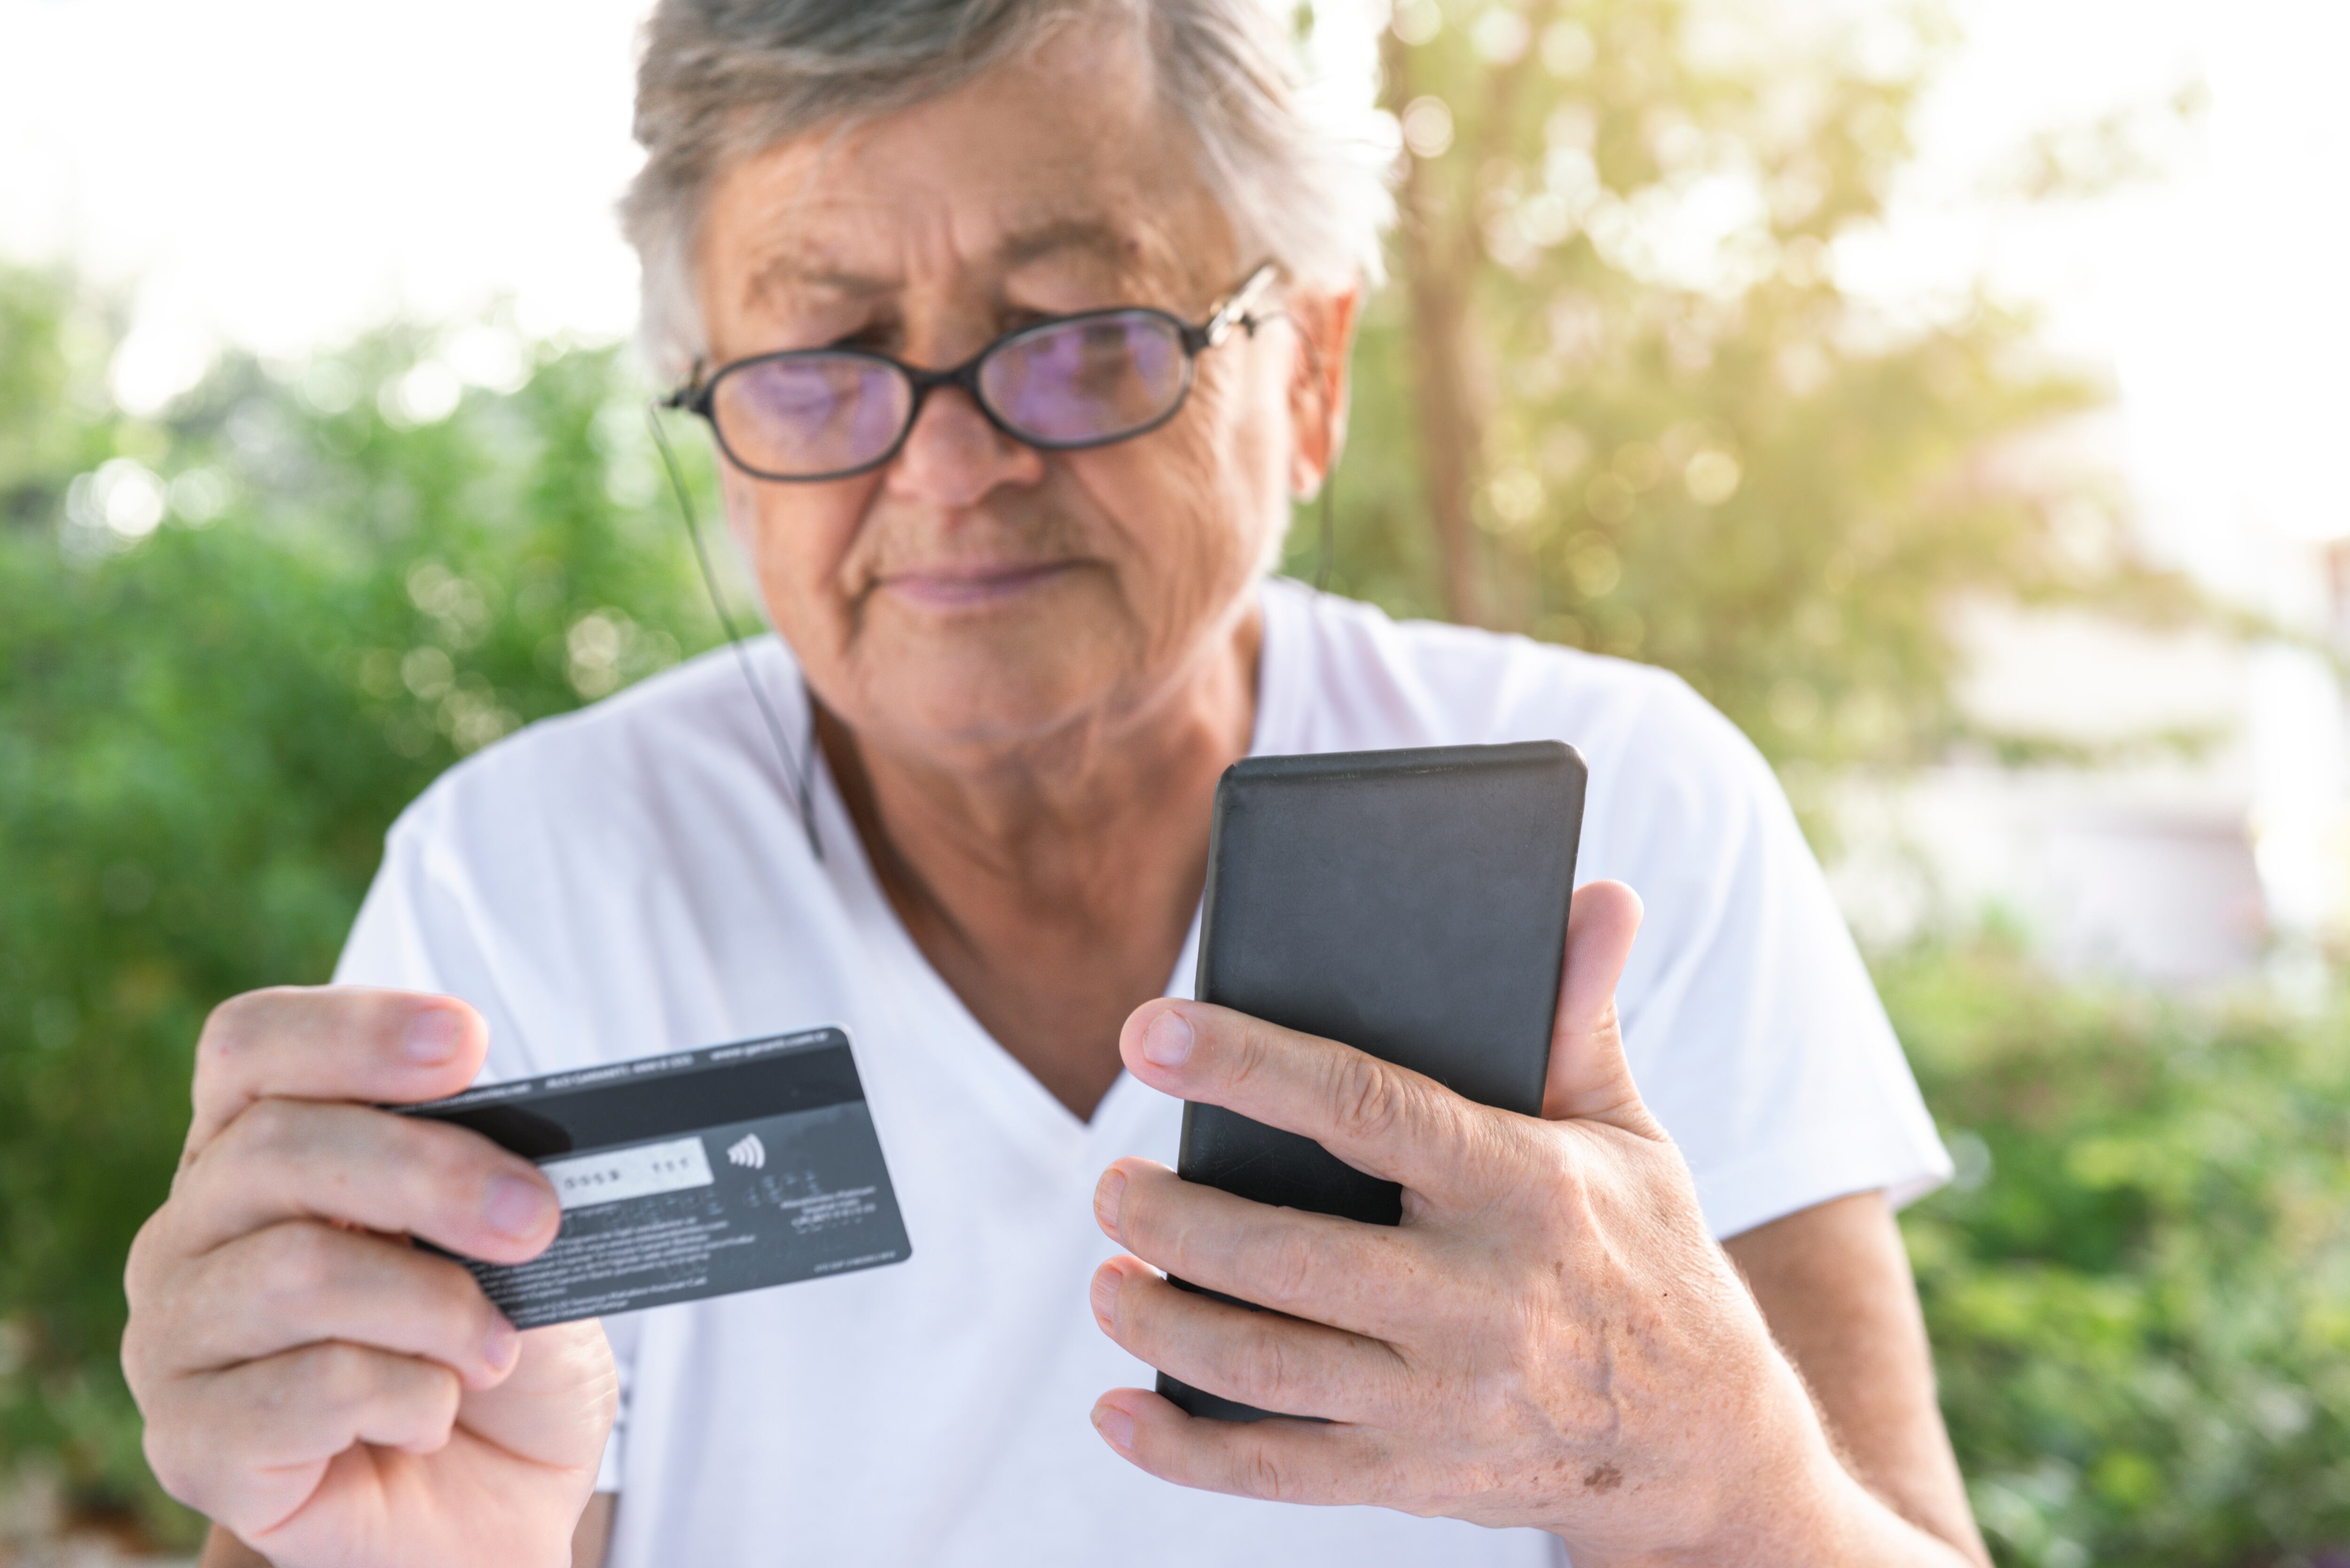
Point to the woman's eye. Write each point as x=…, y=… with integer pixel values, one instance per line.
x=876, y=337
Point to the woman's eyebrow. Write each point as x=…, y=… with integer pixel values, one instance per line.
x=790, y=270
x=795, y=269
x=1090, y=235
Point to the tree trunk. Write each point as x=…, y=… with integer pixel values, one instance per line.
x=1436, y=283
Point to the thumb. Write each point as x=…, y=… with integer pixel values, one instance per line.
x=1589, y=1079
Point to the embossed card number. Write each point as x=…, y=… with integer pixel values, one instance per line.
x=610, y=1175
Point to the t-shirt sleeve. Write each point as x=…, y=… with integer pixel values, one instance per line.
x=1750, y=1021
x=415, y=932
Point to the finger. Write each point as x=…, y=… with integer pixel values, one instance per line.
x=1309, y=1265
x=1377, y=1117
x=1259, y=1358
x=1278, y=1459
x=247, y=1445
x=331, y=1042
x=1589, y=1078
x=302, y=1283
x=298, y=1159
x=558, y=1404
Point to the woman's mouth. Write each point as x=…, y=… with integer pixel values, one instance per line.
x=967, y=586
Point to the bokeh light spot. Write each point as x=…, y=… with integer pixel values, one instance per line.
x=1427, y=126
x=1711, y=476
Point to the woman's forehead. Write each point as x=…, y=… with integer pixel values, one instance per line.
x=865, y=249
x=1057, y=161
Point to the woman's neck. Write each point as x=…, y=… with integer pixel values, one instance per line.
x=1053, y=889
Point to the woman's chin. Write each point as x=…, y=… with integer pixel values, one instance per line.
x=1066, y=659
x=1000, y=695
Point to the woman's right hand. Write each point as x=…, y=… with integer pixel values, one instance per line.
x=310, y=1381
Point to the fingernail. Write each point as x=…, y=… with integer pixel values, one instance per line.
x=432, y=1037
x=1108, y=1198
x=513, y=1206
x=1115, y=1424
x=504, y=1344
x=1106, y=1286
x=1168, y=1042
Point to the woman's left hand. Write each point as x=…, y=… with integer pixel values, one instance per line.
x=1551, y=1336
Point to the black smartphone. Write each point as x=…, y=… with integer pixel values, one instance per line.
x=1411, y=904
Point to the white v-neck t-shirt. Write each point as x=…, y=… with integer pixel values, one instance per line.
x=634, y=879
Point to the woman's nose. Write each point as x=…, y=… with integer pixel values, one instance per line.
x=954, y=456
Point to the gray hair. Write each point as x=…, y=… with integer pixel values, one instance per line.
x=722, y=79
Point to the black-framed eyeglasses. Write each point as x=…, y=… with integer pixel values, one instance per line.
x=1063, y=384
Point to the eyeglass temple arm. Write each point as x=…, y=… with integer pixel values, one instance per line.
x=686, y=395
x=1234, y=311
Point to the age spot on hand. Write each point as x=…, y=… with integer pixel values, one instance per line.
x=1605, y=1478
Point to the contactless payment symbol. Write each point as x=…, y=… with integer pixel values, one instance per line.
x=652, y=1214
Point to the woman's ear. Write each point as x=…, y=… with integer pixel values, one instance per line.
x=1324, y=321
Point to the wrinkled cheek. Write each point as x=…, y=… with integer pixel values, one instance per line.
x=1240, y=486
x=794, y=540
x=1253, y=441
x=1202, y=566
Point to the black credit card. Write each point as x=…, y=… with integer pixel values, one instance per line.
x=696, y=1174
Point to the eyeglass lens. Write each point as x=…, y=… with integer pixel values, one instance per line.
x=810, y=413
x=1068, y=383
x=1084, y=381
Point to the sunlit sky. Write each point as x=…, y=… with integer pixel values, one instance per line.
x=281, y=175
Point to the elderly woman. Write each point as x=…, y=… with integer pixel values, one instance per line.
x=1020, y=324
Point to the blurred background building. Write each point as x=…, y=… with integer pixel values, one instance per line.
x=2209, y=847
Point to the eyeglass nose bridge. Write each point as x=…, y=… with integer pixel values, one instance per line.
x=964, y=378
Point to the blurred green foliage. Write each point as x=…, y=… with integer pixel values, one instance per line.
x=233, y=643
x=2138, y=1288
